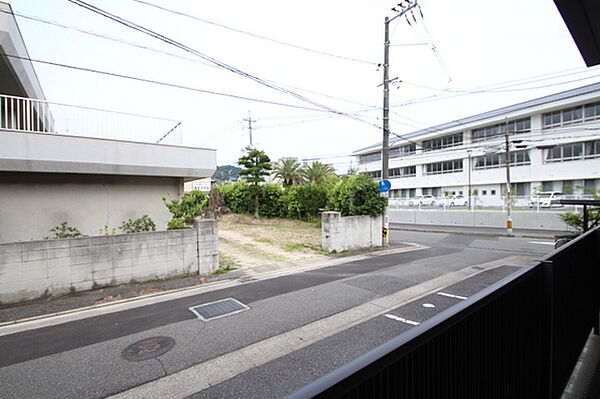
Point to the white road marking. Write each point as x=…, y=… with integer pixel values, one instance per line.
x=428, y=305
x=542, y=242
x=452, y=296
x=402, y=319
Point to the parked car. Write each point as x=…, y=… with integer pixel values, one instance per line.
x=422, y=200
x=544, y=199
x=455, y=200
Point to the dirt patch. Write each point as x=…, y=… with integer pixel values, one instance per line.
x=246, y=242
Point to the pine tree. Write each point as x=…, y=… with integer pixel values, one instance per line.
x=256, y=164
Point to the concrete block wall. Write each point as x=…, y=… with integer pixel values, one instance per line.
x=30, y=270
x=349, y=232
x=521, y=220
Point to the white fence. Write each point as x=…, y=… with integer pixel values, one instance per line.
x=40, y=116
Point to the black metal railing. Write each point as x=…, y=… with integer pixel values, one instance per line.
x=519, y=338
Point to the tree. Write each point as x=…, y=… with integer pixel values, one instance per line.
x=357, y=195
x=256, y=164
x=289, y=171
x=319, y=173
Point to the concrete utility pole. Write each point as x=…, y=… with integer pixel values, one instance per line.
x=404, y=6
x=509, y=224
x=249, y=120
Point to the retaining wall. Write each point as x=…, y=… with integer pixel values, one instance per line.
x=34, y=269
x=349, y=232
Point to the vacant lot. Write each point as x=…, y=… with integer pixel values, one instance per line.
x=247, y=242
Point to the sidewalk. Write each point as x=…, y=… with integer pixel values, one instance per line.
x=54, y=306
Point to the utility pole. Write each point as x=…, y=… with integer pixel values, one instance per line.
x=385, y=143
x=249, y=120
x=469, y=174
x=509, y=226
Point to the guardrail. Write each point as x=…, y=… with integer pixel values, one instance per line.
x=519, y=338
x=29, y=115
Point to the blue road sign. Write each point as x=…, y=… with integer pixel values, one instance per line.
x=384, y=186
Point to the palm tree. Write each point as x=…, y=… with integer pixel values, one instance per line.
x=289, y=171
x=318, y=173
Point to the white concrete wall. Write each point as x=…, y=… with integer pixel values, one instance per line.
x=521, y=220
x=31, y=204
x=349, y=232
x=35, y=269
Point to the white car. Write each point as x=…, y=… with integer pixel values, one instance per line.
x=455, y=200
x=422, y=200
x=544, y=199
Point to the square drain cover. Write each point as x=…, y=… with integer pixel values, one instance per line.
x=214, y=310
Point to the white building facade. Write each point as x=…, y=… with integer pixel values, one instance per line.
x=554, y=144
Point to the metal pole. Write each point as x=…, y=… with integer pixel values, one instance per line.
x=509, y=224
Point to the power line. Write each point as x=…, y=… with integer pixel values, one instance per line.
x=255, y=35
x=156, y=82
x=220, y=64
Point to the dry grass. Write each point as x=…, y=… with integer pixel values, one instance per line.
x=248, y=242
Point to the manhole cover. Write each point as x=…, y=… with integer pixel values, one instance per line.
x=148, y=348
x=213, y=310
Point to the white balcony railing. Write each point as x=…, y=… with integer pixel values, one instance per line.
x=40, y=116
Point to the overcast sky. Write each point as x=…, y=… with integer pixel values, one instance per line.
x=507, y=51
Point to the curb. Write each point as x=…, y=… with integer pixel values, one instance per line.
x=477, y=233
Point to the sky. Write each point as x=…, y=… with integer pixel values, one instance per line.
x=323, y=57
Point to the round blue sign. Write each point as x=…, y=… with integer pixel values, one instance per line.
x=384, y=186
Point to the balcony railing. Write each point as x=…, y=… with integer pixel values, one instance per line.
x=39, y=116
x=519, y=338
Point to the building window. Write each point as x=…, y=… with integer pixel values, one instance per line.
x=375, y=174
x=372, y=157
x=483, y=192
x=493, y=192
x=444, y=167
x=517, y=158
x=572, y=115
x=403, y=151
x=407, y=171
x=513, y=127
x=573, y=152
x=439, y=143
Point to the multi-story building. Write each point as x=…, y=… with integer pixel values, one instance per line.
x=554, y=145
x=90, y=168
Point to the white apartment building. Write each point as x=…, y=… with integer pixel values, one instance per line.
x=554, y=144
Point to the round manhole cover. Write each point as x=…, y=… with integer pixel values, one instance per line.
x=148, y=348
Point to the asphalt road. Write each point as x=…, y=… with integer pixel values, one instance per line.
x=298, y=327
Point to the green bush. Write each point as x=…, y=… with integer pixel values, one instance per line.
x=177, y=224
x=187, y=208
x=145, y=223
x=305, y=202
x=64, y=231
x=357, y=195
x=270, y=203
x=238, y=198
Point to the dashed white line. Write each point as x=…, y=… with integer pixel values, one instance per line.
x=452, y=295
x=401, y=319
x=542, y=242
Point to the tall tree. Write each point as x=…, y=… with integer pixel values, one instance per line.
x=319, y=173
x=289, y=171
x=255, y=165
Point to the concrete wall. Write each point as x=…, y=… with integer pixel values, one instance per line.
x=34, y=269
x=33, y=203
x=521, y=220
x=349, y=232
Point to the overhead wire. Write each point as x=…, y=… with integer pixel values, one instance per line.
x=156, y=82
x=223, y=65
x=298, y=47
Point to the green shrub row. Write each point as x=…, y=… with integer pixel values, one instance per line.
x=352, y=196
